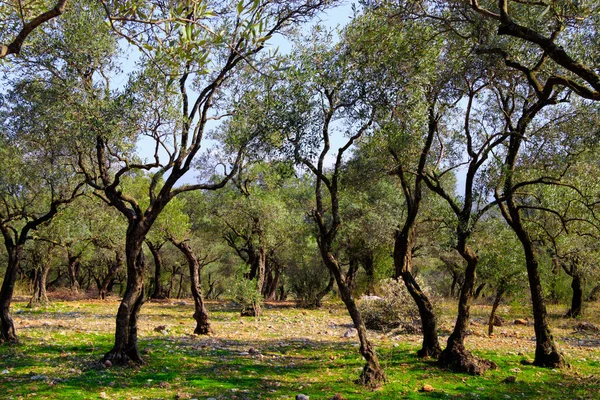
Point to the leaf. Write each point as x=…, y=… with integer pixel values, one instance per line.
x=543, y=13
x=240, y=7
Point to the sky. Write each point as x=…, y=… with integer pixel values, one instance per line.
x=334, y=18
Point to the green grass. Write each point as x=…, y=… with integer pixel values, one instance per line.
x=300, y=352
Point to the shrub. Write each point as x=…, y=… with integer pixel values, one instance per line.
x=392, y=308
x=244, y=293
x=307, y=282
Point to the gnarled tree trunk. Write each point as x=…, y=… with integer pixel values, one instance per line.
x=499, y=293
x=73, y=268
x=372, y=374
x=159, y=291
x=321, y=295
x=403, y=262
x=200, y=313
x=125, y=349
x=455, y=356
x=105, y=284
x=7, y=326
x=40, y=296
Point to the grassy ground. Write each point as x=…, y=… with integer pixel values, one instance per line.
x=283, y=353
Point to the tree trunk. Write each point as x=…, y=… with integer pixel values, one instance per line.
x=455, y=356
x=372, y=374
x=40, y=296
x=577, y=299
x=351, y=274
x=478, y=290
x=403, y=263
x=271, y=290
x=125, y=349
x=594, y=294
x=159, y=291
x=368, y=263
x=262, y=265
x=546, y=352
x=321, y=295
x=73, y=268
x=7, y=327
x=282, y=293
x=200, y=313
x=104, y=287
x=497, y=300
x=453, y=285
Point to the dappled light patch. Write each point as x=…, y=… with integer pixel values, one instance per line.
x=285, y=352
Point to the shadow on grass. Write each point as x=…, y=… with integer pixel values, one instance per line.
x=242, y=369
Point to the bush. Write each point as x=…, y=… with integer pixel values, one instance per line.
x=392, y=308
x=307, y=282
x=245, y=294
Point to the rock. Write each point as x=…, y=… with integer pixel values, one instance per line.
x=5, y=371
x=38, y=377
x=510, y=379
x=301, y=397
x=520, y=322
x=587, y=327
x=352, y=332
x=107, y=364
x=371, y=298
x=103, y=395
x=427, y=388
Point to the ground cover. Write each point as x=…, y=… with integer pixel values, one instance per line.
x=285, y=352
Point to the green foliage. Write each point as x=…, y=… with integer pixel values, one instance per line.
x=307, y=277
x=247, y=296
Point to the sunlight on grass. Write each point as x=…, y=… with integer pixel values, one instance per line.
x=285, y=352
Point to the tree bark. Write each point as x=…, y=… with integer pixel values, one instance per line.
x=40, y=296
x=7, y=327
x=546, y=352
x=497, y=300
x=479, y=289
x=200, y=313
x=125, y=349
x=104, y=285
x=321, y=295
x=455, y=356
x=351, y=274
x=273, y=281
x=372, y=374
x=159, y=292
x=403, y=245
x=262, y=266
x=73, y=268
x=368, y=263
x=577, y=297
